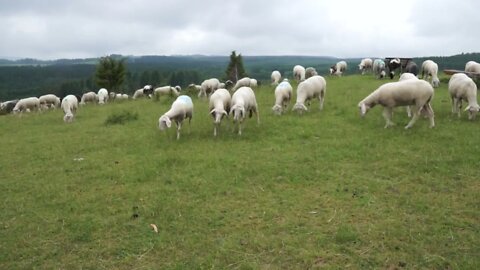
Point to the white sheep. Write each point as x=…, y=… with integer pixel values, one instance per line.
x=313, y=87
x=88, y=97
x=69, y=107
x=243, y=102
x=219, y=106
x=165, y=90
x=194, y=87
x=463, y=88
x=283, y=95
x=27, y=105
x=207, y=87
x=339, y=68
x=181, y=108
x=102, y=96
x=379, y=68
x=430, y=69
x=299, y=73
x=276, y=77
x=310, y=71
x=245, y=82
x=49, y=100
x=417, y=93
x=472, y=66
x=408, y=76
x=365, y=65
x=120, y=97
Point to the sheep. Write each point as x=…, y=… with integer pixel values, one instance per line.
x=229, y=84
x=365, y=65
x=393, y=65
x=299, y=73
x=472, y=66
x=430, y=69
x=88, y=97
x=243, y=102
x=408, y=76
x=69, y=107
x=8, y=106
x=461, y=87
x=411, y=67
x=102, y=96
x=276, y=77
x=379, y=68
x=283, y=95
x=417, y=93
x=165, y=90
x=219, y=106
x=208, y=87
x=181, y=108
x=27, y=105
x=120, y=97
x=246, y=81
x=309, y=72
x=49, y=100
x=253, y=83
x=339, y=68
x=313, y=87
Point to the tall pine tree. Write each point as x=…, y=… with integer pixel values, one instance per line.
x=235, y=69
x=110, y=73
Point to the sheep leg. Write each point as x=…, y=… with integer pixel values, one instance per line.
x=429, y=111
x=387, y=114
x=459, y=106
x=409, y=112
x=416, y=114
x=258, y=116
x=454, y=105
x=240, y=128
x=179, y=126
x=321, y=99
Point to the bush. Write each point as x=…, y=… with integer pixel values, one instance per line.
x=121, y=118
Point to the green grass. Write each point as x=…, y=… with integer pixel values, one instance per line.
x=322, y=190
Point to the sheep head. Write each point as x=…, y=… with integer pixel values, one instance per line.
x=68, y=118
x=164, y=122
x=277, y=109
x=472, y=111
x=238, y=113
x=435, y=82
x=300, y=108
x=363, y=108
x=218, y=115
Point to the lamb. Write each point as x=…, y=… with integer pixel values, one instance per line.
x=247, y=82
x=243, y=102
x=313, y=87
x=393, y=65
x=27, y=105
x=309, y=72
x=472, y=66
x=69, y=107
x=88, y=97
x=195, y=87
x=339, y=68
x=219, y=106
x=283, y=95
x=276, y=77
x=181, y=108
x=365, y=65
x=430, y=69
x=417, y=93
x=379, y=68
x=208, y=87
x=461, y=87
x=49, y=100
x=102, y=96
x=165, y=90
x=299, y=73
x=411, y=67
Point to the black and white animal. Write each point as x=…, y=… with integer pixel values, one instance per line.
x=393, y=65
x=7, y=106
x=379, y=68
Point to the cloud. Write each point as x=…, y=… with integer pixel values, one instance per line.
x=339, y=28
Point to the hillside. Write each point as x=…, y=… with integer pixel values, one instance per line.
x=326, y=189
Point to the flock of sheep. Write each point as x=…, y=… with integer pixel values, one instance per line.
x=238, y=100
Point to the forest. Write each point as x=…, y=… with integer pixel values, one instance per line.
x=30, y=77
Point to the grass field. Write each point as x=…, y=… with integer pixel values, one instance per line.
x=323, y=190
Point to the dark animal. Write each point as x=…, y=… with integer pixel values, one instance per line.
x=411, y=67
x=393, y=65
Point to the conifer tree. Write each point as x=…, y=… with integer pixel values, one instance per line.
x=235, y=69
x=110, y=73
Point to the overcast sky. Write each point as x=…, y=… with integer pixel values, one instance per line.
x=50, y=29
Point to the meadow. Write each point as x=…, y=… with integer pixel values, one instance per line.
x=322, y=190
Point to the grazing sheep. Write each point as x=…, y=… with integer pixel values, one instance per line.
x=165, y=90
x=195, y=87
x=243, y=102
x=463, y=88
x=219, y=106
x=69, y=107
x=148, y=90
x=121, y=97
x=313, y=87
x=309, y=72
x=50, y=100
x=379, y=68
x=276, y=77
x=339, y=68
x=299, y=73
x=472, y=66
x=408, y=76
x=8, y=106
x=393, y=65
x=181, y=108
x=365, y=65
x=27, y=105
x=208, y=87
x=411, y=67
x=88, y=97
x=102, y=96
x=245, y=82
x=229, y=84
x=283, y=95
x=430, y=69
x=417, y=93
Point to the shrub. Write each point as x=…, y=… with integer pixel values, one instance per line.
x=121, y=117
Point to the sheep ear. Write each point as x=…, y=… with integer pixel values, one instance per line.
x=225, y=112
x=304, y=107
x=467, y=108
x=168, y=123
x=212, y=111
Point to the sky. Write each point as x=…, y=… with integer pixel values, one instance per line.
x=52, y=29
